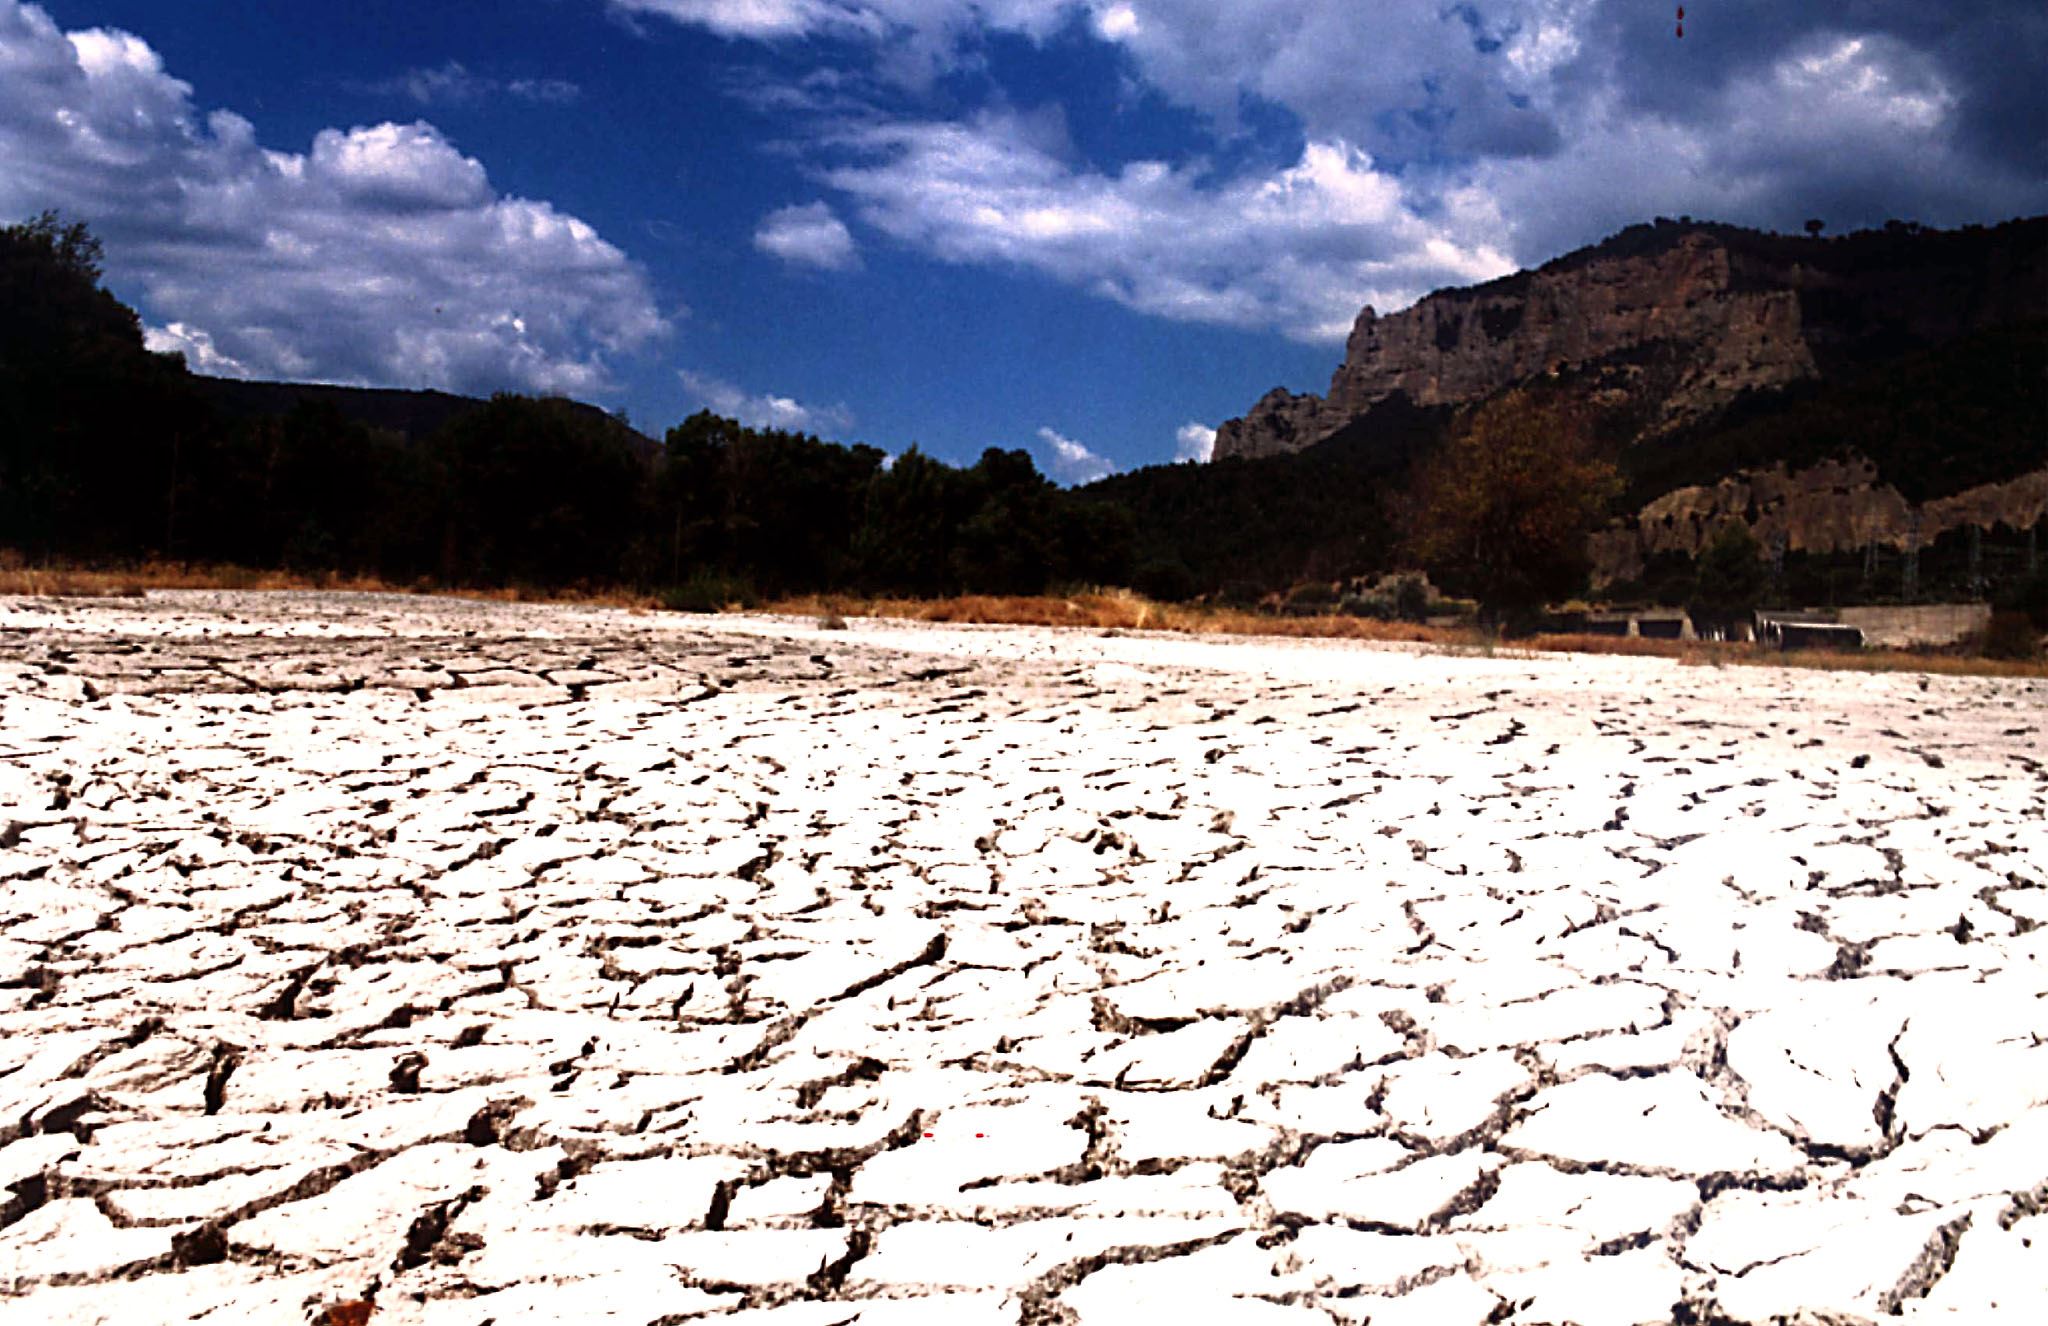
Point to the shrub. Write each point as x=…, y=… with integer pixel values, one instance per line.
x=1731, y=577
x=1411, y=598
x=1166, y=579
x=1240, y=594
x=2030, y=598
x=708, y=591
x=1311, y=600
x=2010, y=634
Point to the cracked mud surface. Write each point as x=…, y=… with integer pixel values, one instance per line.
x=487, y=963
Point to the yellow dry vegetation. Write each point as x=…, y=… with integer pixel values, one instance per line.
x=1096, y=609
x=17, y=576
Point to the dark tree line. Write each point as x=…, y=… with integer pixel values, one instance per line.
x=109, y=453
x=784, y=512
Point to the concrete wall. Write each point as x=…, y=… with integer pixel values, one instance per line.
x=1882, y=627
x=1916, y=624
x=1657, y=623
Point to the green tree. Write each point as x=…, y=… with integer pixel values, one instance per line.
x=1503, y=510
x=1006, y=545
x=1731, y=577
x=775, y=508
x=912, y=513
x=1093, y=545
x=90, y=421
x=536, y=491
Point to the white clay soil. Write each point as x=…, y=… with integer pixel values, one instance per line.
x=523, y=964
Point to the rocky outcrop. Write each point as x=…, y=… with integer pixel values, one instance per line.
x=1674, y=319
x=1282, y=421
x=1463, y=345
x=1836, y=506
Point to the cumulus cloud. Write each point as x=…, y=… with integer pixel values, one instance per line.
x=381, y=255
x=1194, y=442
x=454, y=85
x=763, y=410
x=808, y=236
x=201, y=355
x=1071, y=462
x=1298, y=250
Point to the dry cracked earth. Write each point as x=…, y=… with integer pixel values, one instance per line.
x=457, y=963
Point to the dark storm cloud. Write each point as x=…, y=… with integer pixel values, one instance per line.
x=1988, y=56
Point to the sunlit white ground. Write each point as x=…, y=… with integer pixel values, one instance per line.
x=526, y=964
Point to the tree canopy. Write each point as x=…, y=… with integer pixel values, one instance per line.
x=1503, y=511
x=1731, y=577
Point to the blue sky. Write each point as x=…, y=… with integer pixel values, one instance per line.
x=1091, y=228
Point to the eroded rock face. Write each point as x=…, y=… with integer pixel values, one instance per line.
x=1673, y=320
x=1282, y=421
x=1836, y=506
x=423, y=961
x=1459, y=346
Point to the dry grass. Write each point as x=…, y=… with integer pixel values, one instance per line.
x=1098, y=609
x=1708, y=653
x=1633, y=646
x=1105, y=610
x=1906, y=660
x=1121, y=610
x=132, y=582
x=76, y=582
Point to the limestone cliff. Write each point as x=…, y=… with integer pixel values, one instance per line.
x=1675, y=320
x=1835, y=506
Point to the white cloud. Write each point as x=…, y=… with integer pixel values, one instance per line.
x=1298, y=250
x=808, y=236
x=765, y=19
x=1349, y=70
x=382, y=255
x=1194, y=442
x=454, y=85
x=544, y=91
x=1071, y=462
x=1116, y=22
x=764, y=410
x=198, y=349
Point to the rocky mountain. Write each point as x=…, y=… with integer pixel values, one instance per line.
x=1930, y=446
x=1673, y=322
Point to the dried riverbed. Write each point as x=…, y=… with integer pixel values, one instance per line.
x=499, y=963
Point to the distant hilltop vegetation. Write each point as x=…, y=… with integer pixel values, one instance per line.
x=411, y=414
x=1677, y=320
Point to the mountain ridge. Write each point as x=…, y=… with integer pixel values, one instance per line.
x=410, y=412
x=1673, y=321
